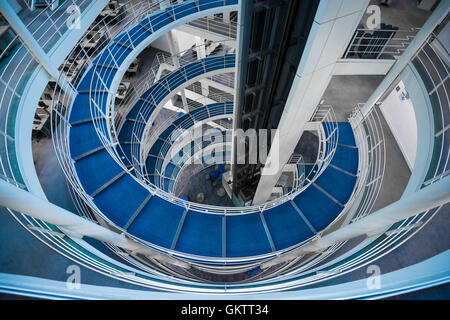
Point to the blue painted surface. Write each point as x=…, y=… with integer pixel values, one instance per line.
x=81, y=110
x=124, y=153
x=121, y=199
x=246, y=236
x=201, y=235
x=83, y=139
x=346, y=134
x=91, y=178
x=317, y=207
x=127, y=130
x=340, y=185
x=157, y=223
x=346, y=158
x=286, y=226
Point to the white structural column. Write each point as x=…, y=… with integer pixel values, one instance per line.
x=436, y=17
x=332, y=30
x=430, y=197
x=201, y=54
x=201, y=49
x=27, y=203
x=227, y=17
x=33, y=46
x=174, y=51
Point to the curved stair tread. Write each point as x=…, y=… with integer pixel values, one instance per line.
x=245, y=236
x=97, y=169
x=84, y=139
x=201, y=234
x=286, y=226
x=121, y=199
x=318, y=208
x=337, y=183
x=346, y=158
x=157, y=222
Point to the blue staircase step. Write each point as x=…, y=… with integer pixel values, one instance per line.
x=201, y=234
x=124, y=153
x=105, y=75
x=119, y=52
x=126, y=132
x=346, y=159
x=346, y=135
x=230, y=60
x=193, y=69
x=156, y=93
x=286, y=226
x=217, y=109
x=134, y=112
x=229, y=107
x=151, y=164
x=157, y=222
x=246, y=236
x=96, y=169
x=138, y=34
x=123, y=39
x=199, y=114
x=183, y=9
x=83, y=139
x=337, y=183
x=319, y=209
x=160, y=19
x=81, y=110
x=209, y=4
x=169, y=170
x=167, y=134
x=174, y=79
x=214, y=63
x=115, y=199
x=156, y=148
x=90, y=81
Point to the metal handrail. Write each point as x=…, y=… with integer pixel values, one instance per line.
x=222, y=28
x=390, y=46
x=324, y=114
x=160, y=64
x=437, y=73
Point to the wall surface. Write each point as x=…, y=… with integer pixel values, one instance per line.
x=398, y=111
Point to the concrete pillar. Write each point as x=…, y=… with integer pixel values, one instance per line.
x=22, y=201
x=226, y=17
x=204, y=86
x=333, y=28
x=436, y=17
x=33, y=46
x=201, y=49
x=430, y=197
x=174, y=51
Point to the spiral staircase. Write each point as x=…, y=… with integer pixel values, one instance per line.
x=122, y=166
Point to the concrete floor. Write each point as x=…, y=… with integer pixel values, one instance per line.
x=345, y=92
x=193, y=181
